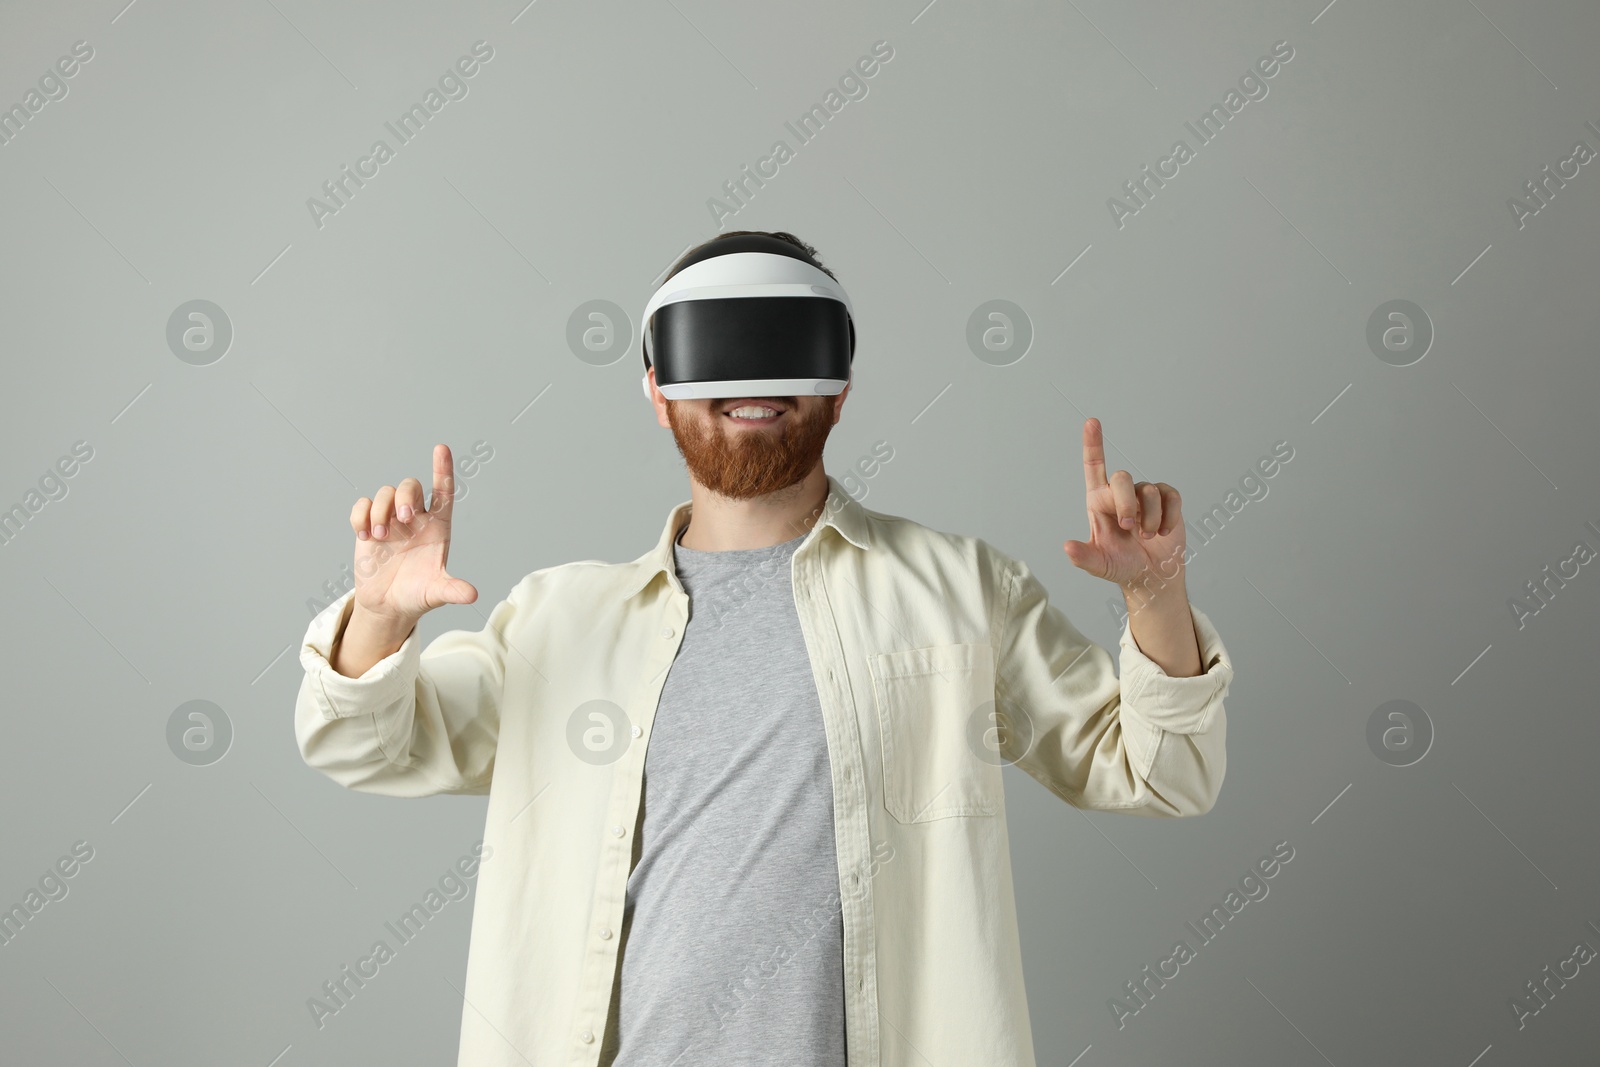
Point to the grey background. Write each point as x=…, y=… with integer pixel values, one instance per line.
x=1229, y=314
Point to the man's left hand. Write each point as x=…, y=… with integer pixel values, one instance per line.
x=1136, y=529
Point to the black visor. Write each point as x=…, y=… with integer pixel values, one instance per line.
x=751, y=337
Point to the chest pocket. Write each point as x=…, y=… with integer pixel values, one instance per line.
x=929, y=700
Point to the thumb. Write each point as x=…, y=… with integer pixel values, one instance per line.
x=448, y=590
x=1085, y=556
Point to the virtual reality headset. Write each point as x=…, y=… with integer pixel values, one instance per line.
x=748, y=316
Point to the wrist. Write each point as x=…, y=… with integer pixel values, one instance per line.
x=1151, y=590
x=1153, y=583
x=373, y=628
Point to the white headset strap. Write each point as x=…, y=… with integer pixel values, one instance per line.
x=742, y=274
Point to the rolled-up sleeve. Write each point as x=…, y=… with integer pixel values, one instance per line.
x=419, y=722
x=1147, y=743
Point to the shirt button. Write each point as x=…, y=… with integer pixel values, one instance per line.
x=605, y=935
x=666, y=631
x=617, y=830
x=586, y=1037
x=637, y=730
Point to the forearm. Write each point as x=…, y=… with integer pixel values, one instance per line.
x=1163, y=629
x=363, y=642
x=422, y=721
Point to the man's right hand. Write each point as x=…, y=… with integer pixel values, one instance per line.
x=401, y=551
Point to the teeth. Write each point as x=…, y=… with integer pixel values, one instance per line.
x=750, y=411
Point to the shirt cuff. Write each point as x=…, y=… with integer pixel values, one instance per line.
x=339, y=696
x=1176, y=705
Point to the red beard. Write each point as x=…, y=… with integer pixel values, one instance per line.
x=745, y=462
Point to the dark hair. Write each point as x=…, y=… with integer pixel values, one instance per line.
x=695, y=254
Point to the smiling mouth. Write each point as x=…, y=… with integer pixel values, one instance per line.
x=755, y=414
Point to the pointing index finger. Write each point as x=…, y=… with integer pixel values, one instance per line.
x=444, y=483
x=1094, y=456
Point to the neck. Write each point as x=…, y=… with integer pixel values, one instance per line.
x=720, y=524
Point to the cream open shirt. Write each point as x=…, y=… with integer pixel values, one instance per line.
x=911, y=634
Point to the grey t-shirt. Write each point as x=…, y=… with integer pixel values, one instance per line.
x=732, y=949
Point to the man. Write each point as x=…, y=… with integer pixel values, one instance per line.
x=745, y=795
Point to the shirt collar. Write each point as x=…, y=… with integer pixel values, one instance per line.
x=840, y=510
